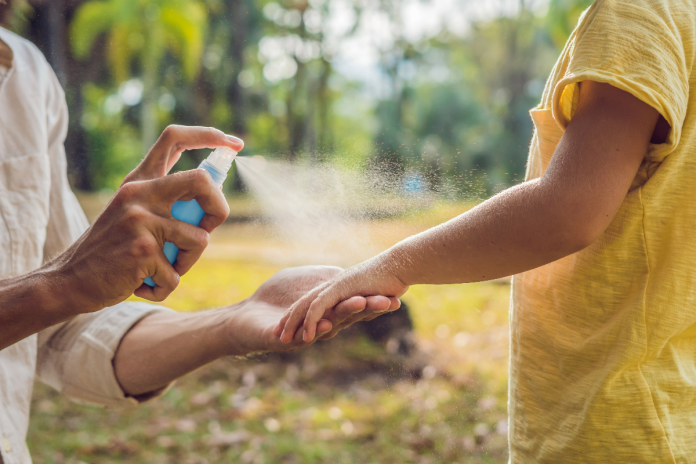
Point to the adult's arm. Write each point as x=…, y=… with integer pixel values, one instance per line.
x=109, y=262
x=76, y=357
x=166, y=345
x=522, y=228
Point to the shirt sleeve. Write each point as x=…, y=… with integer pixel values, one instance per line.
x=76, y=357
x=67, y=221
x=639, y=46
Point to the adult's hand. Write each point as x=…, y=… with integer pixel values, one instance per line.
x=252, y=322
x=373, y=277
x=167, y=345
x=124, y=246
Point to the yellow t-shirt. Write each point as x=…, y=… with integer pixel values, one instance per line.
x=603, y=342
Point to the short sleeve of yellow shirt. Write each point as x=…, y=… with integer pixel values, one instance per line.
x=603, y=342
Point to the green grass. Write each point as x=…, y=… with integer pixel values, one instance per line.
x=347, y=400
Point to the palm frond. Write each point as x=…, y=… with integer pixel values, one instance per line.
x=120, y=51
x=185, y=26
x=91, y=20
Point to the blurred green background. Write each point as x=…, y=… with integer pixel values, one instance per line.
x=440, y=88
x=435, y=90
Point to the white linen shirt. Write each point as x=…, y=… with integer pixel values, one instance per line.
x=39, y=218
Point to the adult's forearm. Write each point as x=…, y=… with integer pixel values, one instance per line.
x=33, y=302
x=165, y=345
x=520, y=229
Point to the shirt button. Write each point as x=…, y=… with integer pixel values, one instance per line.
x=6, y=445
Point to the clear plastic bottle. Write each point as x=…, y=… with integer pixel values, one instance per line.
x=217, y=164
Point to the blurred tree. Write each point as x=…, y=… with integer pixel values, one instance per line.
x=508, y=53
x=450, y=101
x=237, y=16
x=142, y=31
x=296, y=62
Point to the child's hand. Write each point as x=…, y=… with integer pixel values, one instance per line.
x=367, y=279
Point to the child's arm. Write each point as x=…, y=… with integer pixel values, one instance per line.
x=522, y=228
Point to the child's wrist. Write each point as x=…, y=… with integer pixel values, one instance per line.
x=394, y=262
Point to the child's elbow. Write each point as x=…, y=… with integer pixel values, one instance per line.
x=580, y=233
x=584, y=239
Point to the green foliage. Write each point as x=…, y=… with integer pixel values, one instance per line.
x=141, y=31
x=184, y=25
x=91, y=20
x=114, y=146
x=449, y=106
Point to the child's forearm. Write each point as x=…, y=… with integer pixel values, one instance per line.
x=548, y=218
x=520, y=229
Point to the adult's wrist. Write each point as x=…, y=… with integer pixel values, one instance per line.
x=223, y=341
x=40, y=295
x=233, y=335
x=60, y=293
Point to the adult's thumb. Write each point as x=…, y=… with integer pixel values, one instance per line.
x=175, y=140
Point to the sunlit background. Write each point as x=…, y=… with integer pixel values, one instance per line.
x=438, y=87
x=435, y=93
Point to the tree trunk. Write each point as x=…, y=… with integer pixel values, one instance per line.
x=237, y=16
x=237, y=13
x=148, y=111
x=48, y=30
x=57, y=37
x=296, y=117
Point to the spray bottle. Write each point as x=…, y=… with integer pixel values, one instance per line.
x=217, y=164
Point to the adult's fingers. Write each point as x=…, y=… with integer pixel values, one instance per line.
x=165, y=277
x=189, y=239
x=323, y=327
x=290, y=322
x=345, y=310
x=370, y=308
x=391, y=303
x=378, y=303
x=188, y=185
x=348, y=308
x=317, y=305
x=173, y=141
x=342, y=315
